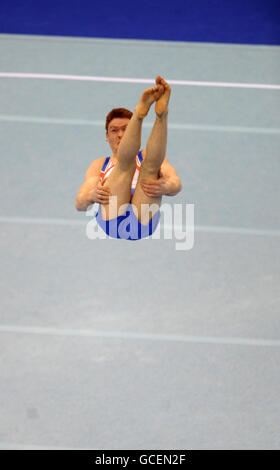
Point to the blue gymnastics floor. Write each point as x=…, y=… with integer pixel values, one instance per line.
x=111, y=345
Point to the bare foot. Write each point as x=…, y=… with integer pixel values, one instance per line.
x=147, y=99
x=161, y=106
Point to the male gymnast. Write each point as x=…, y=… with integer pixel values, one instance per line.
x=137, y=178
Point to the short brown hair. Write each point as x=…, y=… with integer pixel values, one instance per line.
x=117, y=113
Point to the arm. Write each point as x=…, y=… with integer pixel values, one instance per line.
x=168, y=183
x=92, y=189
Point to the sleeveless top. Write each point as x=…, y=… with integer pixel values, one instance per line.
x=108, y=167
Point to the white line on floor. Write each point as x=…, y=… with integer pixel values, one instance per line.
x=37, y=330
x=174, y=126
x=88, y=78
x=80, y=223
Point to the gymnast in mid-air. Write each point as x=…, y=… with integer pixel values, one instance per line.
x=138, y=178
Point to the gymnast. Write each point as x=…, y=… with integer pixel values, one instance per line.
x=137, y=178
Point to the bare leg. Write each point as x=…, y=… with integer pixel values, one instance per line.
x=120, y=179
x=155, y=154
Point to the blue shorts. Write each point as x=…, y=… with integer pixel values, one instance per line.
x=127, y=226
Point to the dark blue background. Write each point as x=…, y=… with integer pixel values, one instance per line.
x=230, y=21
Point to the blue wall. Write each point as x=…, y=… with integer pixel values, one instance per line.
x=230, y=21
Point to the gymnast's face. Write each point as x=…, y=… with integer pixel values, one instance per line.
x=116, y=130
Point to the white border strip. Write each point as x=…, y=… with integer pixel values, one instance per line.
x=11, y=446
x=83, y=223
x=88, y=78
x=37, y=330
